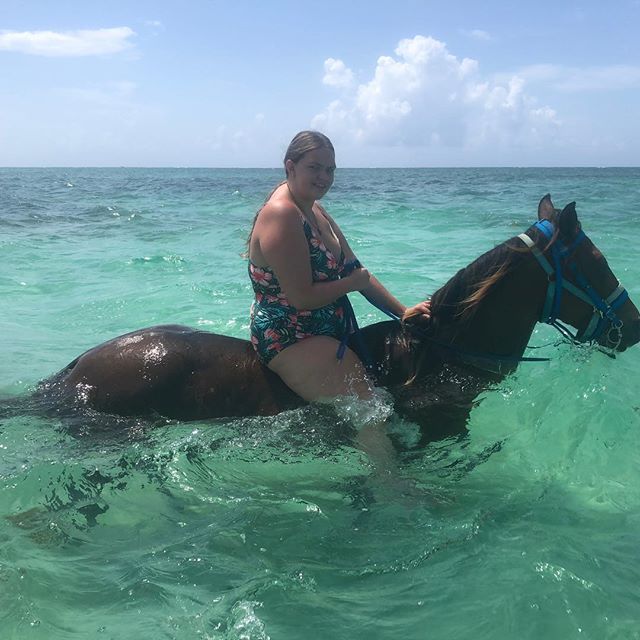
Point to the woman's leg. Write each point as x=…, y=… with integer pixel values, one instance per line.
x=311, y=369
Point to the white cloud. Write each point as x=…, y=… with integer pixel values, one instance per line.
x=67, y=43
x=155, y=26
x=113, y=93
x=106, y=107
x=425, y=96
x=573, y=80
x=478, y=34
x=336, y=73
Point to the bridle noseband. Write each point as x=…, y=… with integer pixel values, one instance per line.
x=604, y=316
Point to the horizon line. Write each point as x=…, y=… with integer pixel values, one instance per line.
x=532, y=166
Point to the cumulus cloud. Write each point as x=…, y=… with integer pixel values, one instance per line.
x=336, y=73
x=67, y=43
x=426, y=96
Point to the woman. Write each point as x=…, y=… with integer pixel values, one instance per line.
x=297, y=258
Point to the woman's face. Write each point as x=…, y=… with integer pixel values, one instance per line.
x=312, y=175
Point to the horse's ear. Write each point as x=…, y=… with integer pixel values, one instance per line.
x=546, y=210
x=569, y=220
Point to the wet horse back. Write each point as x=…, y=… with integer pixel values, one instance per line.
x=174, y=371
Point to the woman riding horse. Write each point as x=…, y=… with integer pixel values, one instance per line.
x=481, y=322
x=301, y=268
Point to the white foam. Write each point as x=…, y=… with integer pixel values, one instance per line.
x=83, y=392
x=362, y=412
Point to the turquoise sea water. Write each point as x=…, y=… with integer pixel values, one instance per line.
x=269, y=527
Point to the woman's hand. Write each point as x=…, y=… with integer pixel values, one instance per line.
x=359, y=278
x=420, y=312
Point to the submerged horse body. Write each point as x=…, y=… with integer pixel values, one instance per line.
x=482, y=320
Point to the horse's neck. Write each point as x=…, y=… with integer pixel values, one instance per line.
x=503, y=322
x=501, y=325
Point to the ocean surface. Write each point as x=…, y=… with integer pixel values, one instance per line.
x=273, y=527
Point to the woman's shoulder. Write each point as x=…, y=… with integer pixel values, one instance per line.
x=279, y=209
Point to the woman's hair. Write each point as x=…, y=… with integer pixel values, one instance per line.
x=302, y=143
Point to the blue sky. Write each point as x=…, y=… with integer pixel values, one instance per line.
x=402, y=83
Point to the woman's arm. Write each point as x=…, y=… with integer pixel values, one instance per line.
x=375, y=291
x=283, y=245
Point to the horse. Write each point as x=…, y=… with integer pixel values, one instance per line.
x=481, y=322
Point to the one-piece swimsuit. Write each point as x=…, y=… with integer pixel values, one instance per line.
x=275, y=323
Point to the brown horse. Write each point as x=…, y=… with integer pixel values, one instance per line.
x=481, y=322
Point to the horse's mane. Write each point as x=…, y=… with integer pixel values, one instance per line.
x=456, y=303
x=459, y=299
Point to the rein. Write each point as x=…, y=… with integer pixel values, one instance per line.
x=604, y=309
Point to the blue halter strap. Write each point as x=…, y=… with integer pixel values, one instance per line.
x=604, y=316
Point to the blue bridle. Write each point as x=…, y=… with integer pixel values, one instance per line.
x=604, y=316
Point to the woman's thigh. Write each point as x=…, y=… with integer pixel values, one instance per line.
x=311, y=369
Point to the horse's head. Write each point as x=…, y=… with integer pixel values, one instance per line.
x=582, y=291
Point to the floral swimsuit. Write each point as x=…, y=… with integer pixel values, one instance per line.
x=275, y=323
